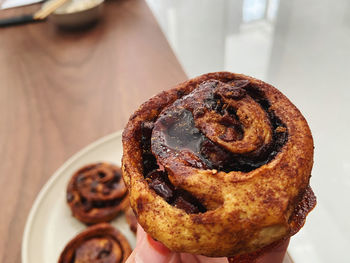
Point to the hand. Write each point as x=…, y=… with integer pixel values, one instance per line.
x=150, y=251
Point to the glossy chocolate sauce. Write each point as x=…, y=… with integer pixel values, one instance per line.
x=158, y=179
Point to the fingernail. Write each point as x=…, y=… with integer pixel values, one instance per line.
x=150, y=250
x=158, y=246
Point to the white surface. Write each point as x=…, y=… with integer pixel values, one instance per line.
x=50, y=224
x=303, y=49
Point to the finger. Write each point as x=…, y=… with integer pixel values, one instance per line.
x=140, y=234
x=203, y=259
x=148, y=250
x=188, y=258
x=276, y=255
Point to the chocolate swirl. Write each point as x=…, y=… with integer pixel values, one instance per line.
x=222, y=150
x=96, y=193
x=220, y=126
x=98, y=243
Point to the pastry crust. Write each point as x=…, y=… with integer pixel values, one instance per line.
x=96, y=193
x=98, y=243
x=260, y=197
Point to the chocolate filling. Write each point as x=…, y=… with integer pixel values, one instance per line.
x=158, y=179
x=149, y=162
x=88, y=205
x=93, y=186
x=181, y=135
x=99, y=249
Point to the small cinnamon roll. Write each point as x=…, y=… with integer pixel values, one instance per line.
x=98, y=243
x=96, y=193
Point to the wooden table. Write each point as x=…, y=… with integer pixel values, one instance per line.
x=60, y=91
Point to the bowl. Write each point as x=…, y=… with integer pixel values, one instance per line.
x=77, y=13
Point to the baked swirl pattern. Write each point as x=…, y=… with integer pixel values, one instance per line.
x=99, y=243
x=222, y=163
x=96, y=193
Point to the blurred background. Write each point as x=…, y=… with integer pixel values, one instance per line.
x=63, y=86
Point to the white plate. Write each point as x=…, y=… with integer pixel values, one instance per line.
x=50, y=224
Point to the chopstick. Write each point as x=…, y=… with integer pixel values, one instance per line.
x=48, y=9
x=38, y=16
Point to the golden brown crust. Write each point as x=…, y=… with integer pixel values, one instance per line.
x=96, y=193
x=246, y=210
x=98, y=243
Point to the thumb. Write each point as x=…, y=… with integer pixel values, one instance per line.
x=148, y=250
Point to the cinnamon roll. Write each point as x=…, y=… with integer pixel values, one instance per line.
x=219, y=166
x=96, y=193
x=98, y=243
